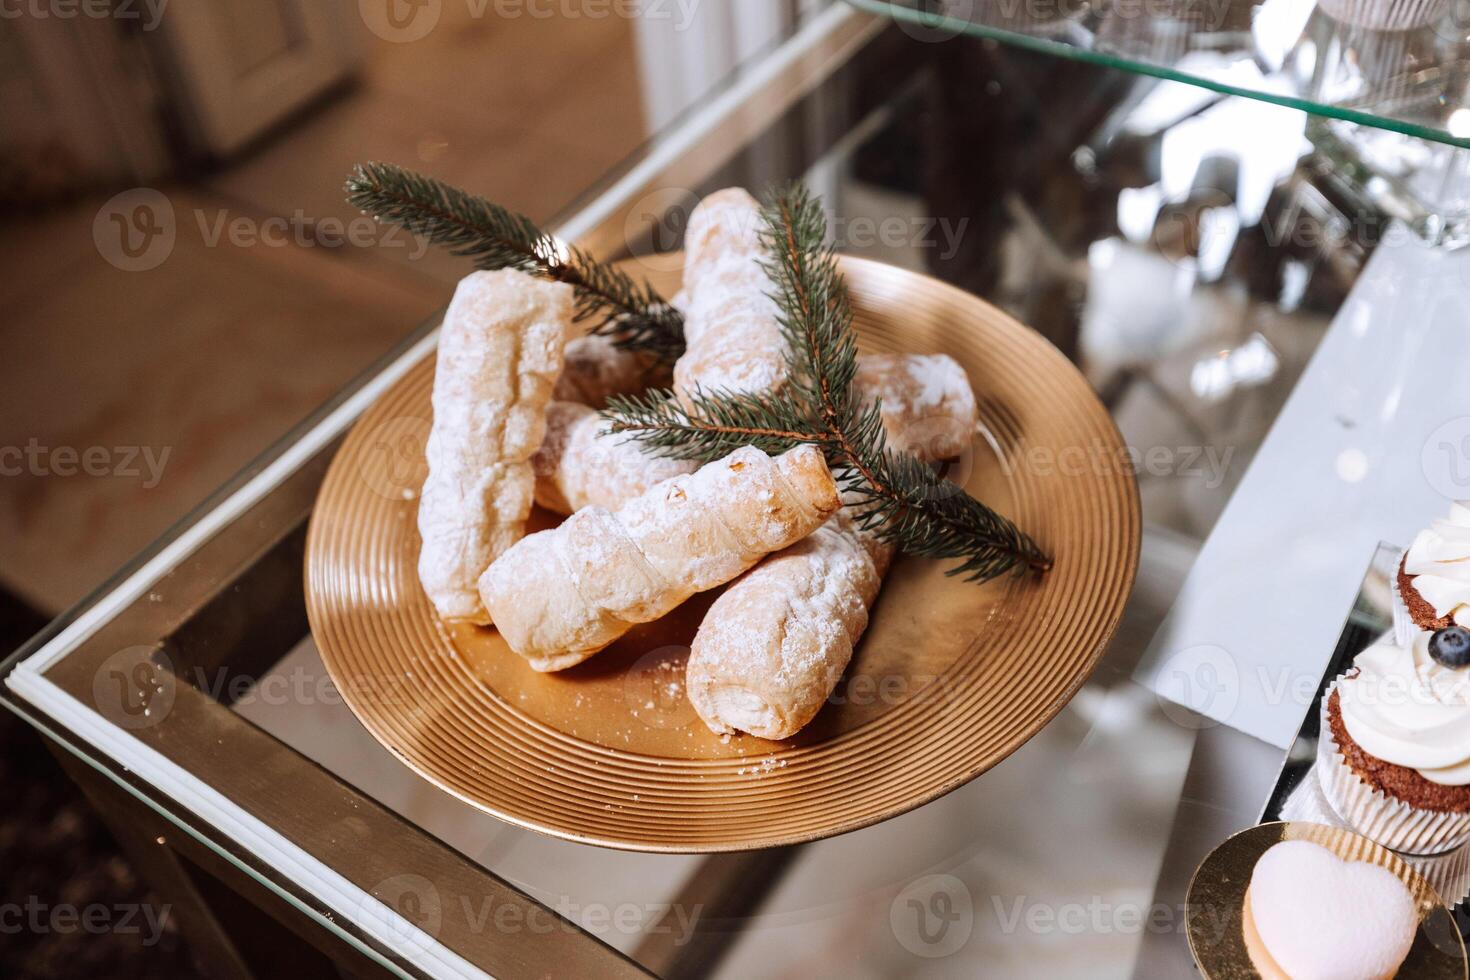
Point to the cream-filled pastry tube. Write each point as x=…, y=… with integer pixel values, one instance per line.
x=771, y=648
x=559, y=596
x=500, y=351
x=927, y=403
x=597, y=369
x=731, y=327
x=579, y=465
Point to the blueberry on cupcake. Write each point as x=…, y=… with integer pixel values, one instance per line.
x=1450, y=647
x=1394, y=756
x=1432, y=590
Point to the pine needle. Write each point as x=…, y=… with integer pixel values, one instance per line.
x=903, y=500
x=631, y=313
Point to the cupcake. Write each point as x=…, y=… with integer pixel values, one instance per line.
x=1394, y=754
x=1309, y=913
x=1432, y=589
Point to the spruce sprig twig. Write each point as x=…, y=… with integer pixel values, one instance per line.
x=892, y=492
x=631, y=313
x=713, y=425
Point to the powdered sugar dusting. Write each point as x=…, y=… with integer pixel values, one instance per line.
x=500, y=351
x=773, y=646
x=682, y=536
x=927, y=403
x=734, y=337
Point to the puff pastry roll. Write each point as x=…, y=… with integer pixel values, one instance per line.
x=596, y=369
x=580, y=466
x=927, y=403
x=771, y=648
x=731, y=330
x=500, y=351
x=559, y=596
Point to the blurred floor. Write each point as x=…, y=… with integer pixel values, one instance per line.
x=55, y=853
x=177, y=376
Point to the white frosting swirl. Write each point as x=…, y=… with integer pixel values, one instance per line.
x=1439, y=562
x=1407, y=708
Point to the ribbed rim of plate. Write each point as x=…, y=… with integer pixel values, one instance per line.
x=377, y=632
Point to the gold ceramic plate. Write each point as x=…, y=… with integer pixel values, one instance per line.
x=950, y=679
x=1217, y=893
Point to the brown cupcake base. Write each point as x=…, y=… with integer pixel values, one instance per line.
x=1398, y=782
x=1419, y=608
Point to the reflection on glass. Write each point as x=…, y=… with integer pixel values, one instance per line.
x=1394, y=64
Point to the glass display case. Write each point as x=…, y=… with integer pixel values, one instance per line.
x=1085, y=172
x=1385, y=83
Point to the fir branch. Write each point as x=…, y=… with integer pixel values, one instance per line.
x=908, y=503
x=706, y=426
x=903, y=500
x=926, y=515
x=631, y=313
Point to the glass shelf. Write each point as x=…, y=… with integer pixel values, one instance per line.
x=1288, y=52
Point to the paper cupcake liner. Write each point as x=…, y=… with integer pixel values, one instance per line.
x=1376, y=815
x=1404, y=627
x=1449, y=873
x=1386, y=15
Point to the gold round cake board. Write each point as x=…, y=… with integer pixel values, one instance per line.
x=1214, y=908
x=950, y=678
